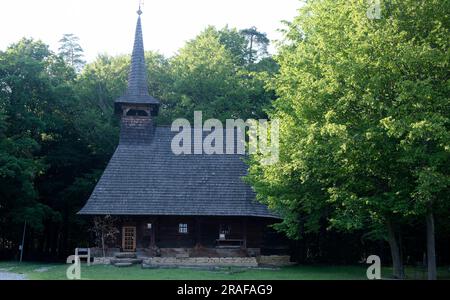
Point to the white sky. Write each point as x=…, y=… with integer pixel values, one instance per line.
x=107, y=26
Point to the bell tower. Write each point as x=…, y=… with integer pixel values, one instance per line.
x=136, y=107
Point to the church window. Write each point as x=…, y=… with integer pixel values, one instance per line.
x=183, y=228
x=137, y=112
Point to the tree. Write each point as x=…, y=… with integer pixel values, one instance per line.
x=71, y=51
x=49, y=156
x=208, y=75
x=105, y=79
x=235, y=42
x=105, y=231
x=257, y=43
x=364, y=135
x=29, y=76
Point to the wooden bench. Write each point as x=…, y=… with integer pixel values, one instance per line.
x=84, y=253
x=229, y=243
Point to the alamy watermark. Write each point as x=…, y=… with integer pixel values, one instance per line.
x=262, y=137
x=74, y=270
x=374, y=270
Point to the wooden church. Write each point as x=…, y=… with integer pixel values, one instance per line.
x=162, y=201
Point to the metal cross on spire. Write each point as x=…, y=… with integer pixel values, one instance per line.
x=141, y=3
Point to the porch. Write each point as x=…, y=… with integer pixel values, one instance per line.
x=193, y=236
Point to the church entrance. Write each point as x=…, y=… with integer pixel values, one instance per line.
x=129, y=238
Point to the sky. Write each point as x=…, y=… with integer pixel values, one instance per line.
x=107, y=26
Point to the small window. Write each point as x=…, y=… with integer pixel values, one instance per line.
x=183, y=228
x=149, y=225
x=136, y=112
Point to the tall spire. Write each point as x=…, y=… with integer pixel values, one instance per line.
x=137, y=90
x=137, y=80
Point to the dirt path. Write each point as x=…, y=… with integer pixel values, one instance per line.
x=11, y=276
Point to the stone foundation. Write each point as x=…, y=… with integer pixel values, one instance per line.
x=274, y=260
x=201, y=262
x=201, y=252
x=98, y=252
x=174, y=257
x=102, y=260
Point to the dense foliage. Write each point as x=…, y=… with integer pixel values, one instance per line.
x=364, y=104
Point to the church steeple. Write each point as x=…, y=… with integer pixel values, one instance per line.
x=137, y=94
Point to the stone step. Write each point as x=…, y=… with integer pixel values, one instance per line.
x=126, y=260
x=123, y=264
x=156, y=262
x=125, y=255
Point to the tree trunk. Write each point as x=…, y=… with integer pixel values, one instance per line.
x=250, y=59
x=103, y=245
x=397, y=264
x=431, y=250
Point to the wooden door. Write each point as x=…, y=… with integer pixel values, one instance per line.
x=129, y=238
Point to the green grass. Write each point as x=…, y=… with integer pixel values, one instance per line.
x=98, y=272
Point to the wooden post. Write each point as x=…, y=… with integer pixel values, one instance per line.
x=23, y=240
x=198, y=229
x=244, y=225
x=152, y=233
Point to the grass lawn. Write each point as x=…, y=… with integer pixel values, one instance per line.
x=97, y=272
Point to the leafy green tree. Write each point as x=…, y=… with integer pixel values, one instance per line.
x=205, y=79
x=26, y=75
x=44, y=154
x=235, y=42
x=209, y=76
x=105, y=79
x=364, y=110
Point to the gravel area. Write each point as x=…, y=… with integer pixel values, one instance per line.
x=11, y=276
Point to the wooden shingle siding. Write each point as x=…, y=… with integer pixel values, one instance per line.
x=144, y=177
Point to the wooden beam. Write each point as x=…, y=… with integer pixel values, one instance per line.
x=198, y=231
x=153, y=232
x=244, y=229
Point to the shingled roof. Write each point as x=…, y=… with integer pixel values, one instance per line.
x=137, y=90
x=144, y=177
